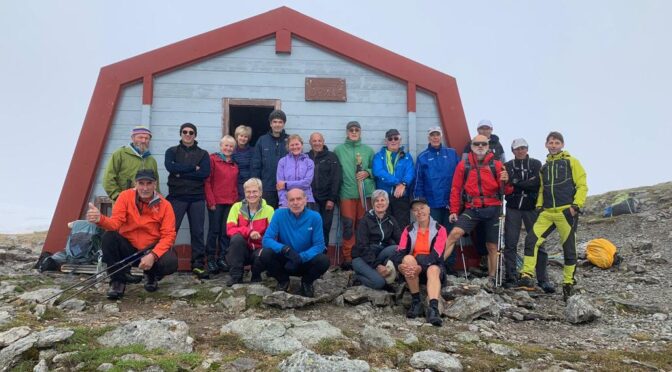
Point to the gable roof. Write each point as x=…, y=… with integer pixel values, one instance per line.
x=282, y=22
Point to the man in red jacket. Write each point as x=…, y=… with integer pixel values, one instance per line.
x=481, y=191
x=141, y=218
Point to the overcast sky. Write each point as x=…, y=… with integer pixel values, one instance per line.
x=598, y=71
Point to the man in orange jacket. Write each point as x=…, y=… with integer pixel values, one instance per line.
x=141, y=219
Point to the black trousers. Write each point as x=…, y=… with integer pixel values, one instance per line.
x=115, y=248
x=327, y=218
x=217, y=242
x=271, y=198
x=309, y=271
x=240, y=254
x=515, y=218
x=400, y=209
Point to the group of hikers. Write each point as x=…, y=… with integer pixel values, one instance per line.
x=270, y=207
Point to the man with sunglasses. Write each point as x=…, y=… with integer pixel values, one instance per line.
x=188, y=166
x=350, y=154
x=394, y=173
x=480, y=192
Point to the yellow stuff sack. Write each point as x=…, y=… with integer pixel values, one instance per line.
x=601, y=253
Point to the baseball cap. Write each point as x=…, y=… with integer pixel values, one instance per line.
x=518, y=142
x=434, y=129
x=485, y=123
x=145, y=174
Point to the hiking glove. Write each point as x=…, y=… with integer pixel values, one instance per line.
x=293, y=258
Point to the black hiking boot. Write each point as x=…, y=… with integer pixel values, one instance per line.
x=213, y=268
x=510, y=283
x=346, y=265
x=526, y=283
x=415, y=310
x=547, y=287
x=116, y=290
x=282, y=286
x=223, y=265
x=234, y=279
x=433, y=316
x=567, y=291
x=130, y=279
x=256, y=277
x=200, y=273
x=307, y=290
x=151, y=283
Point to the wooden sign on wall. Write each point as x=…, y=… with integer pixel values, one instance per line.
x=325, y=89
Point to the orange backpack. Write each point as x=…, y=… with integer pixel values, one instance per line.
x=601, y=253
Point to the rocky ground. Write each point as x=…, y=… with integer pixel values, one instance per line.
x=622, y=318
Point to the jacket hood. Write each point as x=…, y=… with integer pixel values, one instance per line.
x=561, y=155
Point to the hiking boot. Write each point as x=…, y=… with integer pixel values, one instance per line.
x=307, y=290
x=282, y=286
x=223, y=265
x=433, y=316
x=151, y=283
x=233, y=280
x=256, y=278
x=415, y=310
x=510, y=283
x=200, y=273
x=547, y=287
x=346, y=265
x=567, y=291
x=130, y=279
x=526, y=283
x=213, y=268
x=116, y=290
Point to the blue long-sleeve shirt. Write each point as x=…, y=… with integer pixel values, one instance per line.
x=302, y=233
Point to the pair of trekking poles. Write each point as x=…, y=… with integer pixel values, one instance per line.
x=101, y=276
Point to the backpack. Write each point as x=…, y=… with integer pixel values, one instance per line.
x=467, y=169
x=84, y=243
x=602, y=253
x=624, y=203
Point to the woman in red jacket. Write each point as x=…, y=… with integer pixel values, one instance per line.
x=221, y=192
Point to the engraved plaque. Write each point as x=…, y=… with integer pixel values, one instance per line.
x=325, y=89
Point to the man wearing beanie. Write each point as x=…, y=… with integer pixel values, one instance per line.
x=268, y=151
x=188, y=166
x=126, y=161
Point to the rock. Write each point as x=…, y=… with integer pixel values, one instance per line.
x=636, y=307
x=111, y=308
x=136, y=357
x=503, y=350
x=637, y=268
x=215, y=290
x=182, y=293
x=105, y=367
x=258, y=290
x=467, y=337
x=276, y=336
x=472, y=307
x=41, y=366
x=50, y=336
x=436, y=361
x=168, y=334
x=64, y=357
x=309, y=361
x=579, y=309
x=74, y=305
x=243, y=364
x=286, y=300
x=40, y=295
x=360, y=294
x=331, y=285
x=454, y=291
x=642, y=245
x=11, y=354
x=377, y=337
x=39, y=310
x=5, y=317
x=179, y=304
x=6, y=288
x=659, y=317
x=10, y=336
x=234, y=304
x=410, y=339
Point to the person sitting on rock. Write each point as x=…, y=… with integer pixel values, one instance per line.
x=419, y=258
x=141, y=219
x=378, y=234
x=294, y=245
x=246, y=224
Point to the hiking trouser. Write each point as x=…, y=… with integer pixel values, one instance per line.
x=547, y=221
x=308, y=271
x=400, y=209
x=195, y=211
x=240, y=254
x=442, y=215
x=115, y=248
x=271, y=198
x=327, y=218
x=217, y=237
x=367, y=274
x=351, y=213
x=515, y=218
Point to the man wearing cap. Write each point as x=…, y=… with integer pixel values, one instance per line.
x=293, y=244
x=326, y=181
x=524, y=176
x=419, y=258
x=485, y=128
x=188, y=166
x=350, y=154
x=434, y=178
x=478, y=181
x=268, y=151
x=141, y=219
x=126, y=161
x=394, y=173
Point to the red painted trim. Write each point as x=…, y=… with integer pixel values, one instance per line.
x=282, y=22
x=410, y=97
x=147, y=89
x=283, y=41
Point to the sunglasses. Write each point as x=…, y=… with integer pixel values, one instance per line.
x=394, y=138
x=188, y=132
x=353, y=130
x=476, y=144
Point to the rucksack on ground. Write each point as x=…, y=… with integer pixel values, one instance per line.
x=602, y=253
x=624, y=203
x=83, y=247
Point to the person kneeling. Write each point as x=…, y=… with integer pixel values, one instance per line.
x=142, y=223
x=294, y=245
x=419, y=259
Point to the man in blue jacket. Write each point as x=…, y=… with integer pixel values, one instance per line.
x=268, y=151
x=433, y=179
x=394, y=173
x=293, y=244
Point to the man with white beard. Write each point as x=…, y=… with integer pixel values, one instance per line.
x=478, y=184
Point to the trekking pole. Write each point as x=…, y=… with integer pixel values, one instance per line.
x=499, y=272
x=101, y=274
x=464, y=262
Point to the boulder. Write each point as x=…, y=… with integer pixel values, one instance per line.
x=10, y=336
x=74, y=305
x=168, y=334
x=309, y=361
x=40, y=295
x=580, y=309
x=436, y=361
x=286, y=300
x=469, y=308
x=502, y=350
x=182, y=293
x=360, y=294
x=377, y=337
x=50, y=336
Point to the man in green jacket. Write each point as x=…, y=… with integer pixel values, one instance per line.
x=127, y=160
x=350, y=154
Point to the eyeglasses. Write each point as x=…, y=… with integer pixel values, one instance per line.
x=394, y=138
x=476, y=144
x=353, y=130
x=520, y=148
x=188, y=132
x=417, y=210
